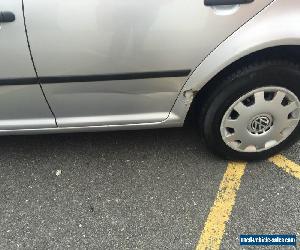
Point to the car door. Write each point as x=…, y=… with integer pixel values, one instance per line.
x=106, y=62
x=22, y=104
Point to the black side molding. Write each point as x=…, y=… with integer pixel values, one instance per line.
x=19, y=81
x=226, y=2
x=114, y=77
x=95, y=78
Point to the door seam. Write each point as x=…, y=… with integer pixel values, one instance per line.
x=33, y=64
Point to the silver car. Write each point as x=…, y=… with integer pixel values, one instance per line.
x=233, y=66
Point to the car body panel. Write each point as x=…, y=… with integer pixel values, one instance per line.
x=15, y=57
x=24, y=107
x=96, y=37
x=276, y=25
x=149, y=100
x=22, y=104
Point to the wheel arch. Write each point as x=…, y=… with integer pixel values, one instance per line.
x=271, y=34
x=282, y=52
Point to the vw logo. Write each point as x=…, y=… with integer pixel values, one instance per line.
x=260, y=124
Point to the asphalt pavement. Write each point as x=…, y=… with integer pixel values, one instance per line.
x=148, y=189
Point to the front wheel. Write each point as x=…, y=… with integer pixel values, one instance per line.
x=253, y=113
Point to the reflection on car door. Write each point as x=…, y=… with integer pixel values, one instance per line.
x=22, y=104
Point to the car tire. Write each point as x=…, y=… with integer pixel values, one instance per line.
x=255, y=91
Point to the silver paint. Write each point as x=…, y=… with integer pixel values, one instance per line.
x=15, y=58
x=71, y=37
x=277, y=24
x=24, y=107
x=21, y=107
x=76, y=37
x=113, y=102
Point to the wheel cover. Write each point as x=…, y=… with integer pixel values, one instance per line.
x=261, y=119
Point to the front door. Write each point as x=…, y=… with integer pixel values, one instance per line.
x=22, y=104
x=106, y=62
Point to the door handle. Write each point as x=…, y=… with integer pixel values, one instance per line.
x=7, y=17
x=225, y=2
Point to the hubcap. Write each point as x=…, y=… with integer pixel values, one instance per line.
x=261, y=119
x=260, y=124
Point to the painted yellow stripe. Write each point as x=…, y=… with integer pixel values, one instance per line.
x=287, y=165
x=220, y=212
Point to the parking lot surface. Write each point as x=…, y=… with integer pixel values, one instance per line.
x=150, y=189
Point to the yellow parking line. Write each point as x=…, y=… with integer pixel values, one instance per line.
x=220, y=212
x=287, y=165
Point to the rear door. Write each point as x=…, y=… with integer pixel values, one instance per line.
x=123, y=61
x=22, y=104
